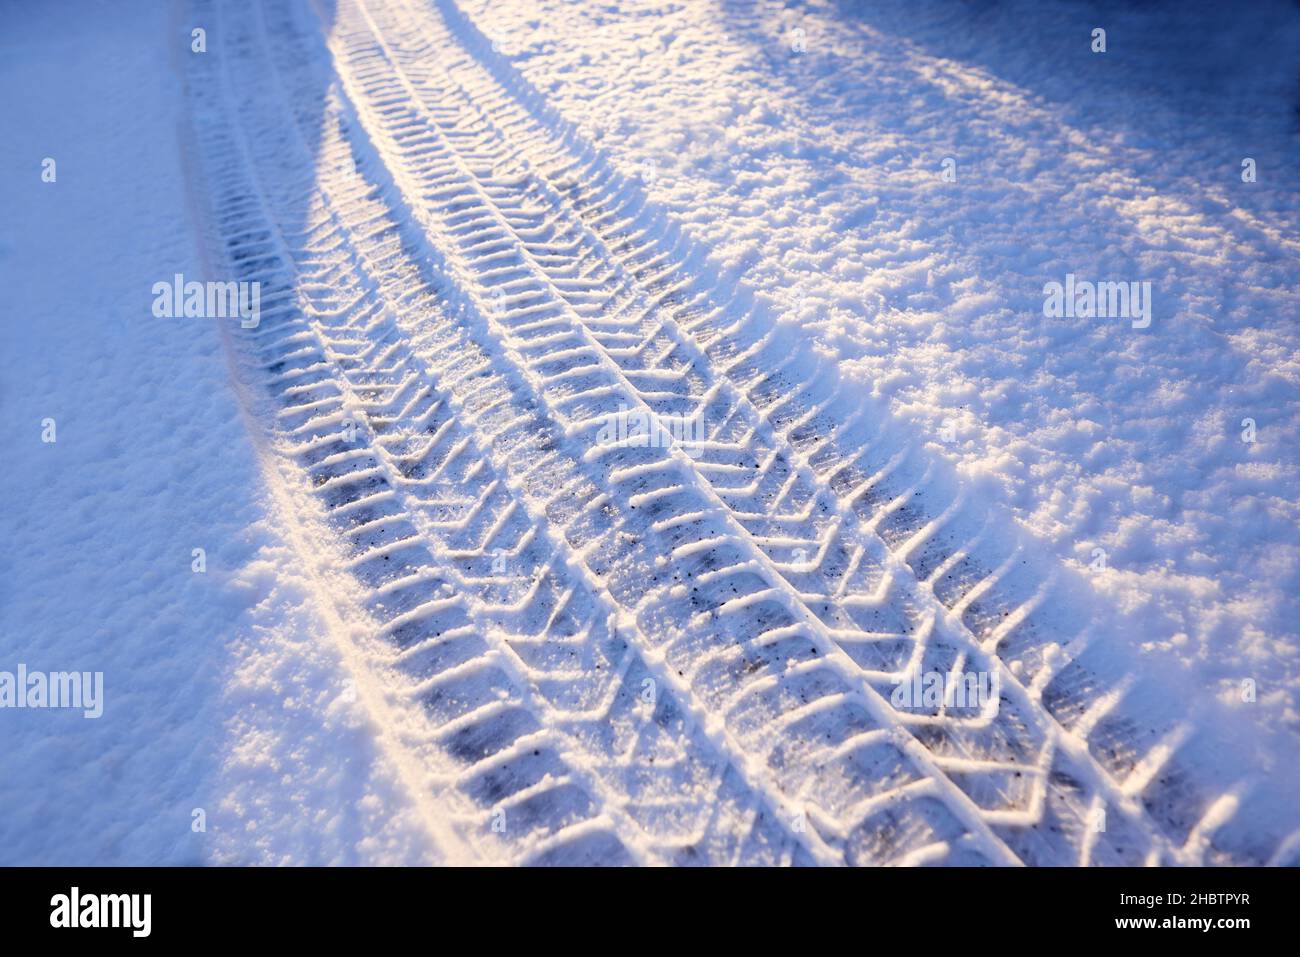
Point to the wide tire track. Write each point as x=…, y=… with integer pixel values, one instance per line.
x=484, y=296
x=531, y=701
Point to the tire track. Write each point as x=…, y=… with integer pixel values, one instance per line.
x=481, y=297
x=510, y=711
x=1068, y=773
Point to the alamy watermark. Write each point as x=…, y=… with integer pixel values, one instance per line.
x=83, y=690
x=928, y=690
x=208, y=300
x=641, y=429
x=1104, y=300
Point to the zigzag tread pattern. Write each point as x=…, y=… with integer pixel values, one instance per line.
x=671, y=651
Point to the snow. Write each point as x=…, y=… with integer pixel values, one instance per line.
x=800, y=149
x=220, y=694
x=815, y=178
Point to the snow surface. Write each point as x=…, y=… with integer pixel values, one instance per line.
x=219, y=694
x=251, y=691
x=814, y=178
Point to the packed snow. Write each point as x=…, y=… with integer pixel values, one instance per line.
x=805, y=145
x=477, y=629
